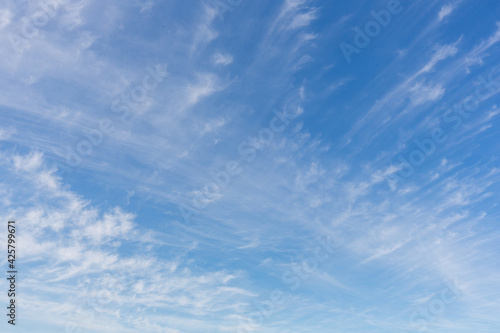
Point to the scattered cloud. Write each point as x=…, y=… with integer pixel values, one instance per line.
x=118, y=242
x=421, y=93
x=222, y=59
x=446, y=10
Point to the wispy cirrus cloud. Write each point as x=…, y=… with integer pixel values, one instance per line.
x=446, y=10
x=105, y=245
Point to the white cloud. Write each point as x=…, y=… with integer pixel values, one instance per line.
x=72, y=15
x=116, y=224
x=296, y=14
x=222, y=59
x=476, y=55
x=398, y=93
x=206, y=85
x=421, y=93
x=67, y=240
x=445, y=11
x=337, y=85
x=443, y=52
x=30, y=163
x=310, y=176
x=7, y=133
x=291, y=192
x=203, y=32
x=303, y=19
x=146, y=6
x=5, y=18
x=211, y=126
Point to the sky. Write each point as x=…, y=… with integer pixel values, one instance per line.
x=251, y=166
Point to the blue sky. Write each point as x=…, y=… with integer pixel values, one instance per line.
x=252, y=166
